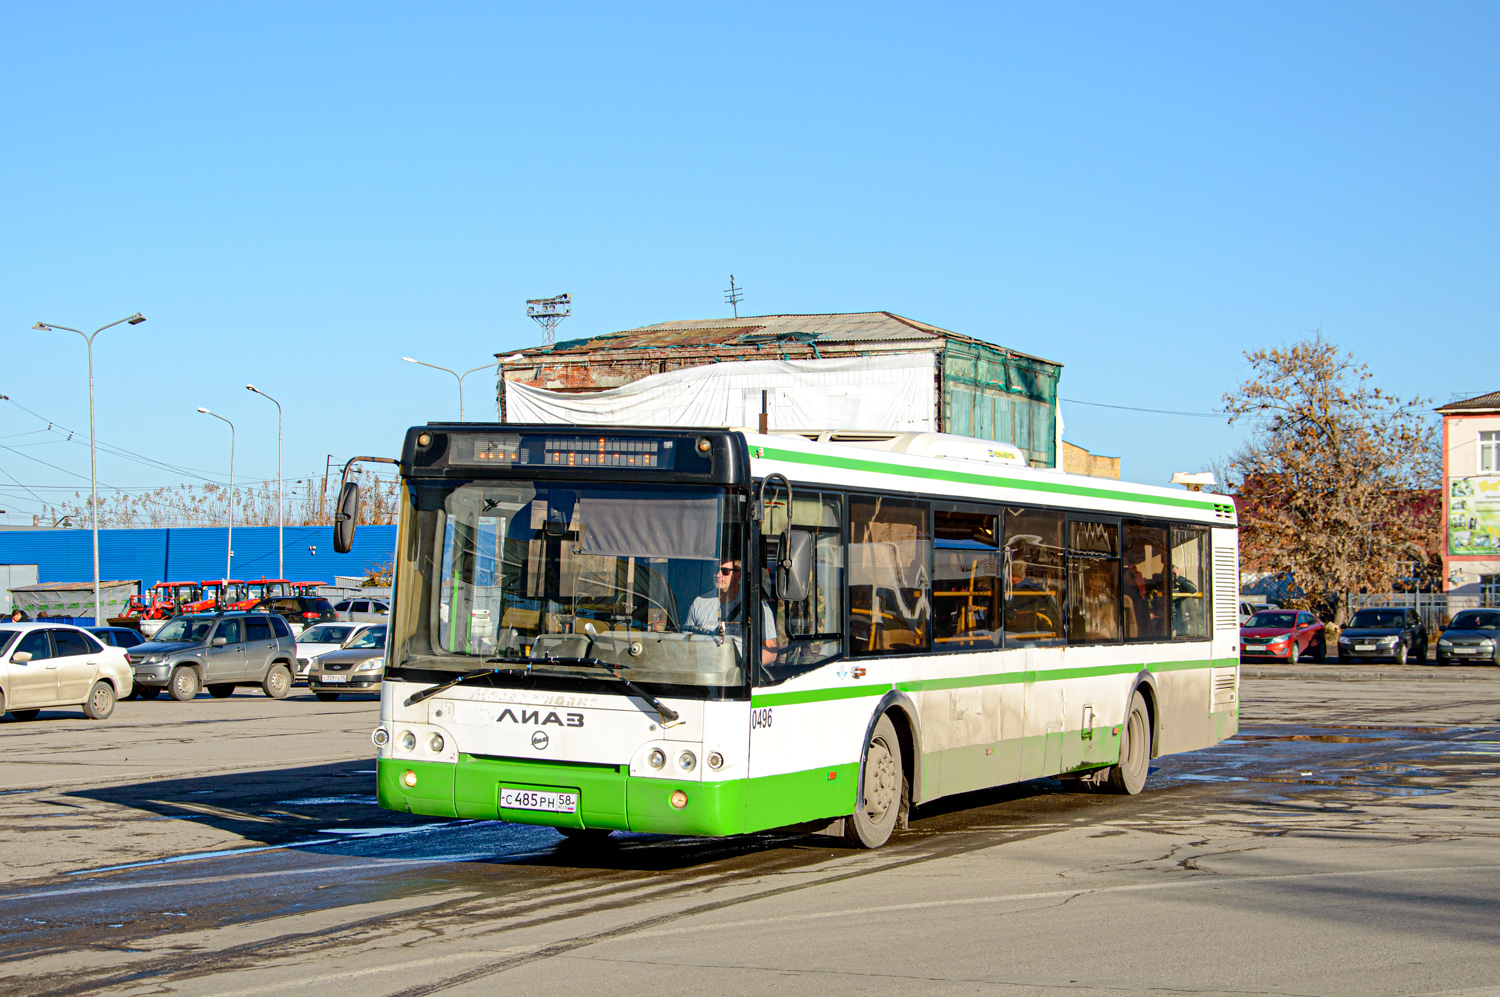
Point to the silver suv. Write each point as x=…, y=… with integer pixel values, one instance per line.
x=217, y=652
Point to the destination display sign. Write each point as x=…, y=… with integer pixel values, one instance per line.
x=565, y=450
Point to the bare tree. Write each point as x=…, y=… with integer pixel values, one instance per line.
x=1335, y=483
x=207, y=505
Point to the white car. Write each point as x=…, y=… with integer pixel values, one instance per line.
x=53, y=664
x=363, y=610
x=1249, y=609
x=320, y=638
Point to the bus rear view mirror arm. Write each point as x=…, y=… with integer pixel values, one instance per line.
x=346, y=511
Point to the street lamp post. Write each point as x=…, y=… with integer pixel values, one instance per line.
x=457, y=375
x=88, y=338
x=280, y=515
x=229, y=543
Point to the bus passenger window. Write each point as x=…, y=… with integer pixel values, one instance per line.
x=810, y=632
x=889, y=591
x=1145, y=592
x=1190, y=583
x=1093, y=583
x=1033, y=576
x=966, y=587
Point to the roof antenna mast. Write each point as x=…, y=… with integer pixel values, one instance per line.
x=734, y=296
x=548, y=312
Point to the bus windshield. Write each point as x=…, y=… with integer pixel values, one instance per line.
x=543, y=576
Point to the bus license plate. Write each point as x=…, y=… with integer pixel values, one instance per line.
x=538, y=799
x=334, y=678
x=1364, y=647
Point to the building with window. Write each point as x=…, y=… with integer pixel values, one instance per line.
x=1471, y=501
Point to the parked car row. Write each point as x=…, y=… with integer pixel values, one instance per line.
x=1374, y=634
x=53, y=665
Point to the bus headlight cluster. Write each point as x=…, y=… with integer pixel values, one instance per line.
x=686, y=761
x=657, y=758
x=381, y=737
x=435, y=744
x=408, y=741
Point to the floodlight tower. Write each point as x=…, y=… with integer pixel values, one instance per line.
x=548, y=312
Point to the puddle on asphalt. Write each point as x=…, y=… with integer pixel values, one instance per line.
x=1323, y=757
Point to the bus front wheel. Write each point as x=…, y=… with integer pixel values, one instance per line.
x=1129, y=776
x=879, y=804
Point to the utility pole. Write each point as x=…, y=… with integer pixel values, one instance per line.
x=734, y=296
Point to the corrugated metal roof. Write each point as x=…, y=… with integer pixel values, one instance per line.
x=87, y=586
x=841, y=328
x=1486, y=401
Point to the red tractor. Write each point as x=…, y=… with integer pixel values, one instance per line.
x=168, y=598
x=217, y=595
x=263, y=588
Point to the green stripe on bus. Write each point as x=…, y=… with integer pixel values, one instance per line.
x=969, y=681
x=819, y=695
x=986, y=480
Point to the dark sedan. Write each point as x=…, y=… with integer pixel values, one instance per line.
x=1392, y=634
x=1472, y=635
x=1287, y=634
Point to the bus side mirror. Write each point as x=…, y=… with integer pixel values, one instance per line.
x=794, y=569
x=347, y=512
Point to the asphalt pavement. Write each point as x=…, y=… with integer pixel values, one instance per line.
x=1343, y=843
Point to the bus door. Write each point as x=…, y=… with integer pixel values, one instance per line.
x=1093, y=620
x=1035, y=595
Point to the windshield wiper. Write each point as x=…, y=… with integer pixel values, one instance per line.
x=431, y=691
x=667, y=714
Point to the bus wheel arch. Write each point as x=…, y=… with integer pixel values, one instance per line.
x=1145, y=684
x=897, y=707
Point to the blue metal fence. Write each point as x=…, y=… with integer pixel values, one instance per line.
x=195, y=554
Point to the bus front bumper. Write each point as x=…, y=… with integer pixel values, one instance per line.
x=608, y=797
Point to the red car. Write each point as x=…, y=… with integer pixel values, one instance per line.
x=1283, y=635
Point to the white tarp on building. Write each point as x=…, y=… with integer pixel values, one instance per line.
x=896, y=392
x=73, y=599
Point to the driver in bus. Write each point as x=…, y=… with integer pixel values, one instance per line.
x=723, y=605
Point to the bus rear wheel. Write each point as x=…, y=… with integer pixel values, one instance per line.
x=1129, y=776
x=879, y=803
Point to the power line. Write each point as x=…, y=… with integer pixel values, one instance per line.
x=1153, y=411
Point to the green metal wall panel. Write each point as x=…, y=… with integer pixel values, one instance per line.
x=990, y=395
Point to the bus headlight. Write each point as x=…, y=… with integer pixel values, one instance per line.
x=381, y=737
x=435, y=744
x=408, y=741
x=715, y=760
x=409, y=779
x=686, y=761
x=657, y=758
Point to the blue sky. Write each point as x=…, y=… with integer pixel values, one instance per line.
x=297, y=195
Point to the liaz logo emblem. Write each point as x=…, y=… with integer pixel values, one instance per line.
x=535, y=717
x=539, y=740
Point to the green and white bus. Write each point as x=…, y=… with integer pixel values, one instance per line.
x=714, y=632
